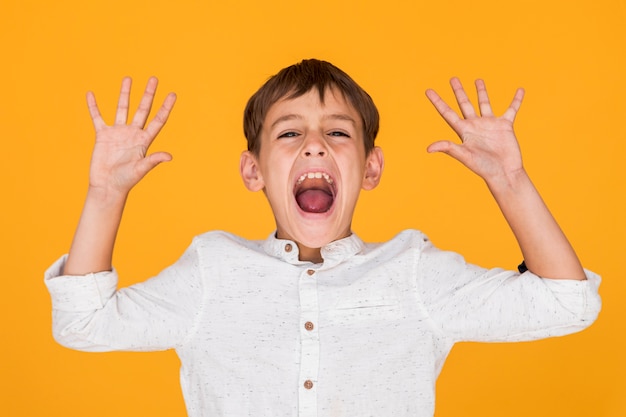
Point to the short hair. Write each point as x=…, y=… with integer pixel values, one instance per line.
x=295, y=81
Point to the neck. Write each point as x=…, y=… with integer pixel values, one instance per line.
x=310, y=254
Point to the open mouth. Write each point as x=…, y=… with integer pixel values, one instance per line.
x=315, y=192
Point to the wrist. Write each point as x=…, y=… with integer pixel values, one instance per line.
x=511, y=181
x=106, y=196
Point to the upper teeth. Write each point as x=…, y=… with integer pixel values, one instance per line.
x=312, y=175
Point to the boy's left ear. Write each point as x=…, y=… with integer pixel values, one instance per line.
x=249, y=170
x=373, y=169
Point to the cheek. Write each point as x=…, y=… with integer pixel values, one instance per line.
x=276, y=178
x=352, y=187
x=356, y=169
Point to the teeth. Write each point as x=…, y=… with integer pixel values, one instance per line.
x=312, y=175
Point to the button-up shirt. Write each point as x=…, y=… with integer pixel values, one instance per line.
x=365, y=333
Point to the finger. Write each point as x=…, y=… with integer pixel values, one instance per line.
x=515, y=105
x=156, y=124
x=94, y=112
x=449, y=115
x=449, y=148
x=439, y=146
x=121, y=116
x=151, y=161
x=465, y=105
x=483, y=99
x=141, y=116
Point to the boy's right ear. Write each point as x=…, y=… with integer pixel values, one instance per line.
x=250, y=173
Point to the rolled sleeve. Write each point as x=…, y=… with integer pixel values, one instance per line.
x=79, y=293
x=579, y=297
x=470, y=303
x=90, y=313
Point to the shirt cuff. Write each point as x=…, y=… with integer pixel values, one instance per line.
x=571, y=292
x=79, y=293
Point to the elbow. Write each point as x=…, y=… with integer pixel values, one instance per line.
x=590, y=305
x=74, y=333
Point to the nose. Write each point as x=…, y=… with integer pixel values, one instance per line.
x=314, y=146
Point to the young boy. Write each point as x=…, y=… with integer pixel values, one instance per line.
x=313, y=321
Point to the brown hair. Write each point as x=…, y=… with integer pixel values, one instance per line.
x=295, y=81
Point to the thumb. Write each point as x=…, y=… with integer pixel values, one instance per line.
x=151, y=161
x=456, y=151
x=444, y=146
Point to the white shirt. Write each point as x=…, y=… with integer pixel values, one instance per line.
x=260, y=333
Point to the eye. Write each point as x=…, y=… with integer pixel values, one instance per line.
x=289, y=135
x=339, y=133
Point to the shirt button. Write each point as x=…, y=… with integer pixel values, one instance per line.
x=310, y=271
x=288, y=247
x=308, y=384
x=309, y=326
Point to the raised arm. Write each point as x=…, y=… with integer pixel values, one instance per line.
x=489, y=148
x=119, y=161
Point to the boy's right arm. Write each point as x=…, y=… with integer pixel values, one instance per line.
x=119, y=161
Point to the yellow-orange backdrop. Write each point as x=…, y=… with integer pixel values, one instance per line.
x=570, y=57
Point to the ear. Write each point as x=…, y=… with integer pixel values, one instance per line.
x=373, y=169
x=250, y=174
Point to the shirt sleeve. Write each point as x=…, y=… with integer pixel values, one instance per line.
x=90, y=314
x=470, y=303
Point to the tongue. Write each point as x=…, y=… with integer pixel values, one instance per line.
x=314, y=201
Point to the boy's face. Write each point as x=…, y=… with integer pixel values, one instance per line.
x=312, y=166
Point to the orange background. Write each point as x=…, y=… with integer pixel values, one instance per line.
x=570, y=57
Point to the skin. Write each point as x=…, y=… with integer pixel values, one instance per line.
x=302, y=135
x=490, y=149
x=119, y=161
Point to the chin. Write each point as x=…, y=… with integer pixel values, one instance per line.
x=318, y=235
x=315, y=242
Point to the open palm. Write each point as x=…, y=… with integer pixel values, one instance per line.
x=488, y=143
x=120, y=159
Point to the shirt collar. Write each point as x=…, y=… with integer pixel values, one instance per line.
x=334, y=253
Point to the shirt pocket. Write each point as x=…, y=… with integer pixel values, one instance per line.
x=372, y=308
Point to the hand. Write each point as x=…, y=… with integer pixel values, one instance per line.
x=120, y=159
x=488, y=143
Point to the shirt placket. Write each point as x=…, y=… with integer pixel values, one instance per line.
x=309, y=340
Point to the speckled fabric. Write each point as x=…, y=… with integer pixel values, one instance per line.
x=260, y=333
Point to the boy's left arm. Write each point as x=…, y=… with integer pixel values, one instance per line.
x=489, y=148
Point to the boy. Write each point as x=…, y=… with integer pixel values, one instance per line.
x=313, y=321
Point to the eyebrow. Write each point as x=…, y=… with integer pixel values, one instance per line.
x=285, y=118
x=334, y=116
x=340, y=116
